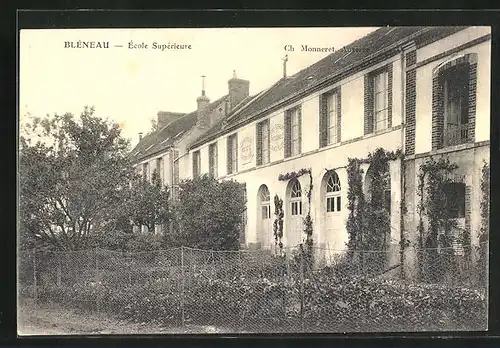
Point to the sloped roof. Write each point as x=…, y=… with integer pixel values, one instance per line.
x=164, y=138
x=352, y=55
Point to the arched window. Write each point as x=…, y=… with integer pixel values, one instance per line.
x=265, y=202
x=333, y=190
x=296, y=198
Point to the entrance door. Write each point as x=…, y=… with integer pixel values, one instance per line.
x=333, y=202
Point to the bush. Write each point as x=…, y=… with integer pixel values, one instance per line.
x=209, y=214
x=328, y=303
x=127, y=241
x=390, y=305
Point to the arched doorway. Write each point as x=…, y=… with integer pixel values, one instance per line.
x=294, y=213
x=264, y=220
x=332, y=206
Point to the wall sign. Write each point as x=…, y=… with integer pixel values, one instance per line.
x=246, y=149
x=277, y=137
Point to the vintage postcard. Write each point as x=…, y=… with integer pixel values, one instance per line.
x=253, y=180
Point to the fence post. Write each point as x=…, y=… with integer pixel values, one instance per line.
x=183, y=321
x=35, y=291
x=301, y=274
x=58, y=269
x=98, y=304
x=242, y=301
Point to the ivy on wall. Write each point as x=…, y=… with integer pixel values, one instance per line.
x=368, y=223
x=308, y=225
x=432, y=177
x=485, y=203
x=485, y=225
x=278, y=224
x=294, y=175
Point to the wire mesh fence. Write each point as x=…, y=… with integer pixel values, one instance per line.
x=259, y=291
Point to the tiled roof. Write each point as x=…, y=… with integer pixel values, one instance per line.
x=163, y=138
x=335, y=63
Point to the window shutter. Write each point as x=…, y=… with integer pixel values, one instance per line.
x=258, y=136
x=471, y=87
x=288, y=136
x=235, y=169
x=437, y=113
x=229, y=155
x=339, y=115
x=299, y=122
x=323, y=124
x=368, y=104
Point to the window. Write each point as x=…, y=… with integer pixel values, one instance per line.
x=455, y=200
x=381, y=100
x=333, y=199
x=293, y=132
x=263, y=144
x=145, y=171
x=265, y=202
x=454, y=203
x=331, y=120
x=212, y=152
x=196, y=164
x=232, y=154
x=456, y=104
x=296, y=198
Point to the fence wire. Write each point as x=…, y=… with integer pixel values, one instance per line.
x=260, y=291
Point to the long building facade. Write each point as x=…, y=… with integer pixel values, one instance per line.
x=423, y=92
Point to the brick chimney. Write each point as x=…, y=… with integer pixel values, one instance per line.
x=167, y=117
x=203, y=101
x=238, y=90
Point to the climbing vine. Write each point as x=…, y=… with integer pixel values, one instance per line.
x=485, y=203
x=432, y=177
x=485, y=225
x=278, y=224
x=368, y=216
x=355, y=203
x=294, y=175
x=308, y=225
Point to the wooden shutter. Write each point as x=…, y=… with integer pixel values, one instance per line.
x=437, y=113
x=229, y=155
x=258, y=137
x=299, y=124
x=288, y=135
x=323, y=124
x=368, y=104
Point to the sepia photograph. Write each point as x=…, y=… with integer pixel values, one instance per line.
x=253, y=180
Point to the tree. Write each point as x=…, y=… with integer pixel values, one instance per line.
x=74, y=175
x=209, y=214
x=149, y=202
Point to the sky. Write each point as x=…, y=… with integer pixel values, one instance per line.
x=129, y=86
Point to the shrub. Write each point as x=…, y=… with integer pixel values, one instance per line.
x=323, y=302
x=209, y=214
